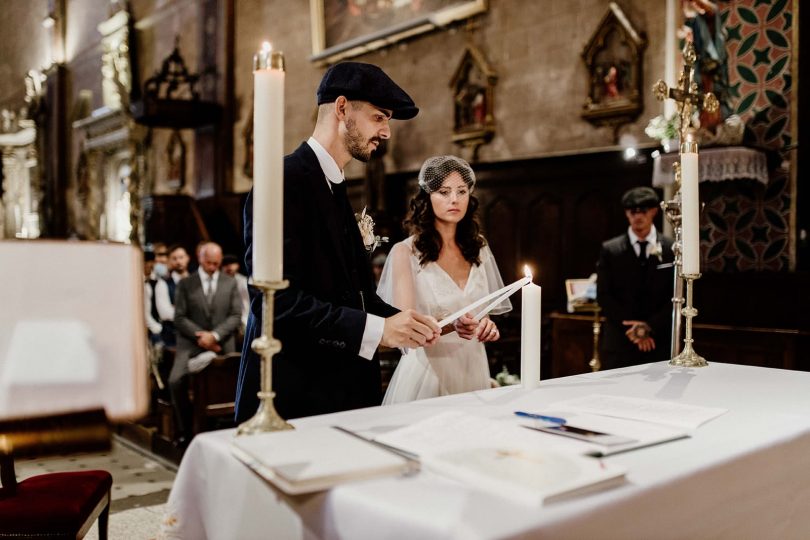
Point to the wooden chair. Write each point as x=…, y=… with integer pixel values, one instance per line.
x=213, y=392
x=55, y=505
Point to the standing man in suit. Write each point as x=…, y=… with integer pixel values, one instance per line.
x=330, y=320
x=207, y=315
x=634, y=292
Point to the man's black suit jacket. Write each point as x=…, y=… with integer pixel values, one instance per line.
x=321, y=317
x=628, y=290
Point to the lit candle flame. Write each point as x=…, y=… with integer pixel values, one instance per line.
x=267, y=47
x=527, y=271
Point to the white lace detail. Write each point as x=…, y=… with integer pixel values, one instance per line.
x=717, y=165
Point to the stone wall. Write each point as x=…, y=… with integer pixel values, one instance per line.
x=535, y=46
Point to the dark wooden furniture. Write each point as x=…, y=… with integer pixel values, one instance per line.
x=213, y=391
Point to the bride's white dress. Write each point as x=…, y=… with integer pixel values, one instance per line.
x=452, y=365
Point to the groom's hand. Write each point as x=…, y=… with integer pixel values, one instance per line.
x=409, y=329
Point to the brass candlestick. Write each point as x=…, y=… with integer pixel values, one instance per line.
x=672, y=211
x=688, y=357
x=596, y=364
x=266, y=418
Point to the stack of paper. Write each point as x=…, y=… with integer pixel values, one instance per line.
x=501, y=457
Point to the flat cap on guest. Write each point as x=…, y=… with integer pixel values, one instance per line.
x=366, y=82
x=640, y=197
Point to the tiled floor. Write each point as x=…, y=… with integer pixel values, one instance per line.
x=141, y=485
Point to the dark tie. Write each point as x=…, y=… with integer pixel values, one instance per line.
x=642, y=251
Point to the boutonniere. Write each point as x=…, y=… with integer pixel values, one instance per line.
x=366, y=225
x=657, y=251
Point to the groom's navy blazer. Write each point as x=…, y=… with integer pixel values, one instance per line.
x=321, y=317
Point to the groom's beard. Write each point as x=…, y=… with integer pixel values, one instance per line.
x=357, y=146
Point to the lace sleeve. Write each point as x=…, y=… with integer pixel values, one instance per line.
x=494, y=280
x=397, y=286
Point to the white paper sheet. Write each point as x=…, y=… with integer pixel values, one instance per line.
x=646, y=410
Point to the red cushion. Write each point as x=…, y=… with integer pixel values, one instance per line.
x=53, y=503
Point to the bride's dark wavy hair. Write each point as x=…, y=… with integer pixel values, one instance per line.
x=421, y=223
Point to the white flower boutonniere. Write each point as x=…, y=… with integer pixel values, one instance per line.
x=366, y=225
x=657, y=251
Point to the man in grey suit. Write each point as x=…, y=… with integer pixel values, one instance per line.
x=208, y=311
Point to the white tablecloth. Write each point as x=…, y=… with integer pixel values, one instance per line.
x=716, y=165
x=745, y=474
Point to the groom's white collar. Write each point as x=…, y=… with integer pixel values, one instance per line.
x=330, y=168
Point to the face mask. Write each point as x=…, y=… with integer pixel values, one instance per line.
x=161, y=269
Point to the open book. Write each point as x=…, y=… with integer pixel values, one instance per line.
x=502, y=458
x=315, y=459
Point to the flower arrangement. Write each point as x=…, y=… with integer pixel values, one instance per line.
x=662, y=128
x=366, y=225
x=657, y=251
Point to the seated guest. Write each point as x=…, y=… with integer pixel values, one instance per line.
x=443, y=266
x=634, y=293
x=207, y=314
x=153, y=326
x=165, y=292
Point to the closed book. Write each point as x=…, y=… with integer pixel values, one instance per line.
x=316, y=459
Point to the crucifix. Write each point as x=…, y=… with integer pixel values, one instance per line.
x=683, y=210
x=686, y=94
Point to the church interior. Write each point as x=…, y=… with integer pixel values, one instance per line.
x=131, y=122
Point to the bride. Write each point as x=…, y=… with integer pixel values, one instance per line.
x=443, y=266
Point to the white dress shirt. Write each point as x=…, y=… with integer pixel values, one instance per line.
x=652, y=240
x=154, y=326
x=372, y=334
x=163, y=301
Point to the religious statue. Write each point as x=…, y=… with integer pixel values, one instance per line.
x=704, y=28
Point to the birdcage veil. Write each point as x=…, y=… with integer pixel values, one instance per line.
x=435, y=170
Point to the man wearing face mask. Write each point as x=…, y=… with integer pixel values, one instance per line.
x=330, y=319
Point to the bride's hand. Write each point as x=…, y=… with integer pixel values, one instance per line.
x=465, y=326
x=487, y=331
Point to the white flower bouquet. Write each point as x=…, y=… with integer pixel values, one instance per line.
x=366, y=225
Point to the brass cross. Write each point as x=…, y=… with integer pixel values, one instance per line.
x=686, y=93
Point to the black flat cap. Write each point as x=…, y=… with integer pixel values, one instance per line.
x=365, y=82
x=640, y=197
x=229, y=259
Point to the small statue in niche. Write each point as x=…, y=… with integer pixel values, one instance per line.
x=473, y=85
x=703, y=26
x=176, y=159
x=612, y=82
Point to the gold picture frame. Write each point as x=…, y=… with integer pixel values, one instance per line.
x=345, y=28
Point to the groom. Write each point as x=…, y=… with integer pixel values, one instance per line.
x=330, y=320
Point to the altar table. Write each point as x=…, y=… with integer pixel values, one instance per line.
x=745, y=474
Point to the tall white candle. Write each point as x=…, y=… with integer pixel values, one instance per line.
x=530, y=330
x=268, y=165
x=690, y=213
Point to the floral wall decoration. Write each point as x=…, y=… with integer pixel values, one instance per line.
x=745, y=225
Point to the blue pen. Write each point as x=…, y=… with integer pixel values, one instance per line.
x=554, y=419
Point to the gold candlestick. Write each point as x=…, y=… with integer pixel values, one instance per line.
x=688, y=357
x=266, y=418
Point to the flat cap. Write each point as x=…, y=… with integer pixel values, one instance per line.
x=365, y=82
x=640, y=197
x=229, y=259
